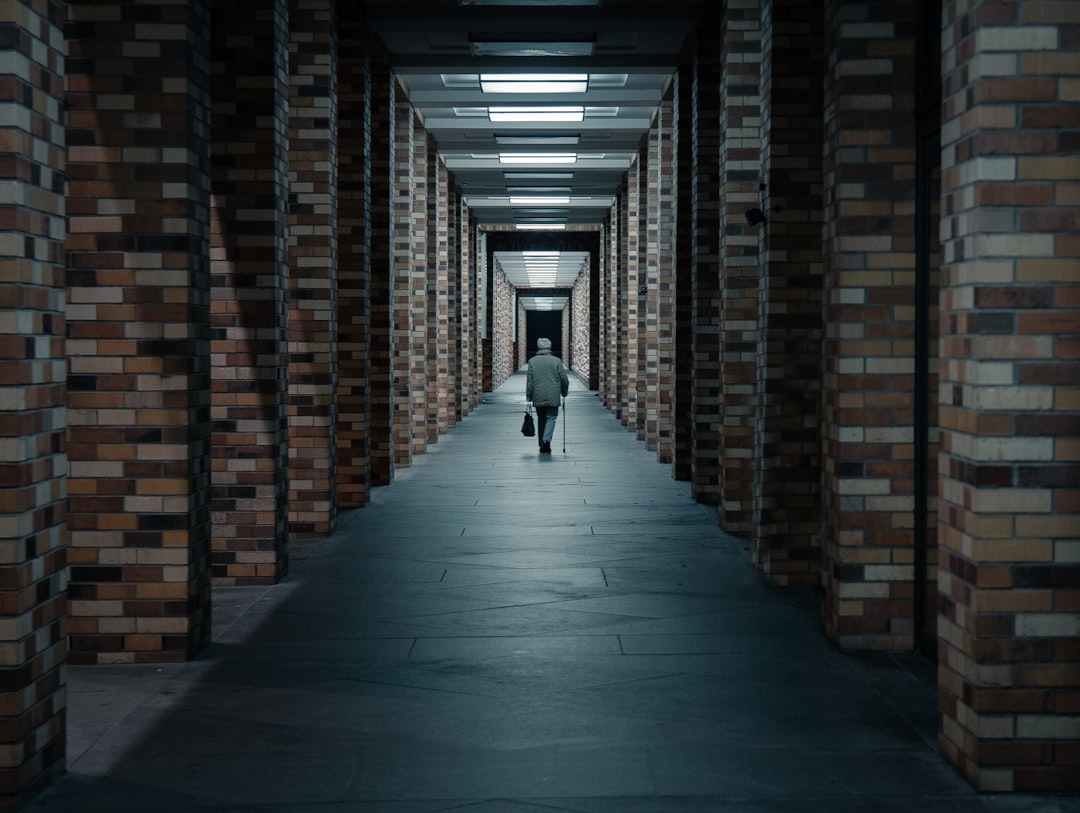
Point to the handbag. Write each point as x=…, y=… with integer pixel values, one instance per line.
x=528, y=428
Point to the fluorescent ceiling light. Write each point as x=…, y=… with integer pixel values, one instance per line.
x=540, y=226
x=539, y=190
x=538, y=141
x=534, y=82
x=529, y=2
x=537, y=157
x=535, y=200
x=504, y=114
x=545, y=176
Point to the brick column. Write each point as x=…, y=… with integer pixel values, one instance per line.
x=466, y=310
x=452, y=211
x=646, y=193
x=402, y=246
x=787, y=496
x=683, y=317
x=869, y=295
x=418, y=292
x=381, y=370
x=249, y=311
x=438, y=335
x=1009, y=628
x=33, y=466
x=138, y=327
x=650, y=300
x=354, y=269
x=667, y=175
x=313, y=264
x=629, y=332
x=705, y=267
x=740, y=178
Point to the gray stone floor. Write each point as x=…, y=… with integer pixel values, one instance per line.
x=503, y=631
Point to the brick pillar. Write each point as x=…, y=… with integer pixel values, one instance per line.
x=438, y=336
x=705, y=268
x=629, y=335
x=869, y=295
x=402, y=245
x=138, y=331
x=452, y=212
x=354, y=271
x=613, y=308
x=313, y=264
x=665, y=276
x=683, y=316
x=787, y=496
x=1009, y=683
x=381, y=370
x=249, y=310
x=649, y=301
x=466, y=310
x=740, y=162
x=645, y=194
x=419, y=273
x=33, y=466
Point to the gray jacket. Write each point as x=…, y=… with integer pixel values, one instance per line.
x=547, y=380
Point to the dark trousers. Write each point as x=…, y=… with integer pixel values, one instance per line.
x=545, y=423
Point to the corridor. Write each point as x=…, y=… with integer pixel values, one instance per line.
x=504, y=632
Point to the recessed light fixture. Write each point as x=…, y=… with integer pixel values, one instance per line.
x=537, y=157
x=538, y=176
x=537, y=141
x=535, y=114
x=538, y=200
x=534, y=82
x=540, y=226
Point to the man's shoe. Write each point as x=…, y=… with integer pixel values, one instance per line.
x=545, y=448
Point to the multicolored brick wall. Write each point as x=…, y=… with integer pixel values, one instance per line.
x=355, y=250
x=380, y=381
x=662, y=188
x=786, y=536
x=705, y=239
x=33, y=466
x=869, y=297
x=740, y=180
x=1009, y=682
x=138, y=202
x=579, y=325
x=683, y=349
x=504, y=316
x=313, y=267
x=440, y=386
x=249, y=310
x=404, y=240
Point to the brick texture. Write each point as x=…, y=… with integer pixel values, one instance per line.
x=1010, y=396
x=787, y=498
x=33, y=466
x=705, y=267
x=313, y=265
x=249, y=297
x=869, y=295
x=740, y=178
x=354, y=271
x=138, y=199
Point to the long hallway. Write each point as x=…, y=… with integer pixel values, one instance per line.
x=503, y=631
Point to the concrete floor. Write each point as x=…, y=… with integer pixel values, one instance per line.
x=504, y=631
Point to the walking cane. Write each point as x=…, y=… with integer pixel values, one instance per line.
x=564, y=425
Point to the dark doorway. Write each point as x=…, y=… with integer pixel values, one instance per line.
x=543, y=324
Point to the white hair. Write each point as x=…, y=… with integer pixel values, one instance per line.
x=543, y=344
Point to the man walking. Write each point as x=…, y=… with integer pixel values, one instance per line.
x=546, y=383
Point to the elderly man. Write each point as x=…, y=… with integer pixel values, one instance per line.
x=547, y=382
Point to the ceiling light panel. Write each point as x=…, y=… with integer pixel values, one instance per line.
x=537, y=157
x=537, y=141
x=538, y=200
x=534, y=82
x=571, y=113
